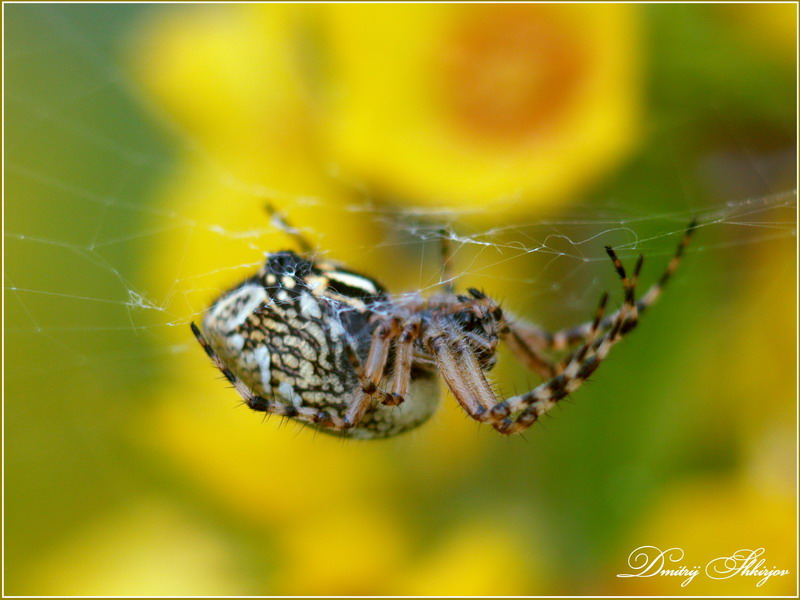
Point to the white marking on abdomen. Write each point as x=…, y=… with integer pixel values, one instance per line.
x=236, y=342
x=249, y=296
x=263, y=361
x=309, y=306
x=287, y=391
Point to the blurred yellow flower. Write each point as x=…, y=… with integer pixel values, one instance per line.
x=225, y=79
x=149, y=548
x=708, y=519
x=273, y=475
x=454, y=104
x=354, y=551
x=481, y=558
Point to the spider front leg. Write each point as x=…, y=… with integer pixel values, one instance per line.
x=536, y=361
x=459, y=367
x=281, y=223
x=628, y=314
x=582, y=364
x=526, y=353
x=447, y=256
x=542, y=398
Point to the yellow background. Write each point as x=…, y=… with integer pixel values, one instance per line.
x=142, y=143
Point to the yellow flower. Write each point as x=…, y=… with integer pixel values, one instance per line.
x=224, y=77
x=350, y=550
x=455, y=104
x=148, y=548
x=710, y=519
x=481, y=558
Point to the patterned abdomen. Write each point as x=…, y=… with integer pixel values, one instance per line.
x=282, y=348
x=285, y=334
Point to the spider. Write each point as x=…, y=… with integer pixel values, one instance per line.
x=311, y=340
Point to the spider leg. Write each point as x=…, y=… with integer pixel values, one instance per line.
x=531, y=358
x=458, y=365
x=539, y=339
x=517, y=342
x=577, y=369
x=542, y=398
x=403, y=358
x=279, y=221
x=257, y=402
x=580, y=365
x=370, y=374
x=535, y=360
x=447, y=255
x=461, y=370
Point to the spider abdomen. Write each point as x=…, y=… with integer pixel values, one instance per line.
x=285, y=334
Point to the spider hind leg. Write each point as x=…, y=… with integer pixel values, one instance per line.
x=538, y=340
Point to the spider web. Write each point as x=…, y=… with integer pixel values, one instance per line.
x=77, y=232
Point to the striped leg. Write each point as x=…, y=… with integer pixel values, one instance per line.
x=528, y=355
x=536, y=361
x=580, y=365
x=628, y=315
x=540, y=340
x=571, y=376
x=538, y=401
x=462, y=374
x=460, y=370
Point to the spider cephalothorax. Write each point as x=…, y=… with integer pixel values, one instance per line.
x=314, y=341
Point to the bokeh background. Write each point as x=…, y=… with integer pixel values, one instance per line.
x=141, y=144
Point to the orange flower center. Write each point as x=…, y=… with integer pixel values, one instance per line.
x=509, y=73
